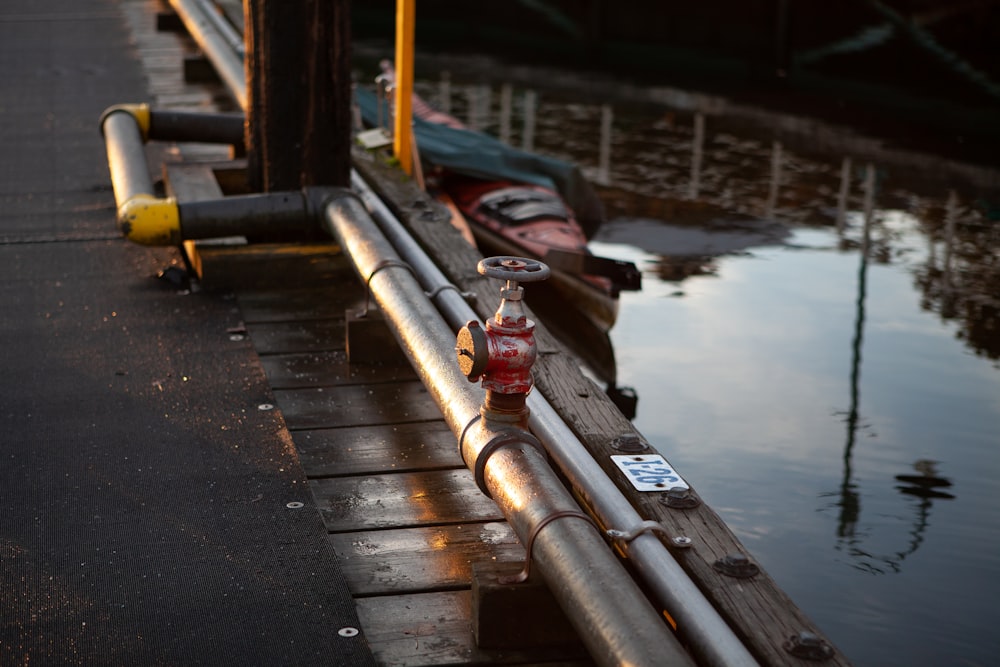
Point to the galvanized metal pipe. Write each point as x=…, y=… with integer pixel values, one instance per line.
x=218, y=49
x=609, y=611
x=699, y=623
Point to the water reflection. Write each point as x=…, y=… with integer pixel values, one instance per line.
x=965, y=285
x=690, y=186
x=794, y=349
x=923, y=486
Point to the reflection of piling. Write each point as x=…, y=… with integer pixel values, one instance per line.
x=772, y=194
x=697, y=150
x=506, y=94
x=479, y=106
x=530, y=103
x=850, y=502
x=868, y=210
x=950, y=216
x=845, y=189
x=444, y=93
x=604, y=157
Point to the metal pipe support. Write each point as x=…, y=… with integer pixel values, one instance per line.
x=246, y=215
x=196, y=126
x=142, y=216
x=147, y=219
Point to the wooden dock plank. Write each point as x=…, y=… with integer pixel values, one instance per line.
x=328, y=368
x=381, y=448
x=400, y=500
x=306, y=303
x=433, y=629
x=356, y=405
x=413, y=560
x=307, y=336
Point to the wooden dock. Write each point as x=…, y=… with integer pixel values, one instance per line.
x=404, y=515
x=402, y=512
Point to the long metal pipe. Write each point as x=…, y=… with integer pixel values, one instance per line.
x=218, y=49
x=608, y=609
x=699, y=623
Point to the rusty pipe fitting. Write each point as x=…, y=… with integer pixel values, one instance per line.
x=503, y=352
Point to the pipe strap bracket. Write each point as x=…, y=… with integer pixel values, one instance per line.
x=448, y=286
x=503, y=439
x=627, y=536
x=523, y=575
x=384, y=264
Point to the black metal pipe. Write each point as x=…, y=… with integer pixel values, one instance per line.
x=215, y=128
x=246, y=215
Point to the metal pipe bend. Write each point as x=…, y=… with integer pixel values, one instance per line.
x=149, y=220
x=140, y=112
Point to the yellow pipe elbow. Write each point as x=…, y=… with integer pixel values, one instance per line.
x=148, y=220
x=140, y=112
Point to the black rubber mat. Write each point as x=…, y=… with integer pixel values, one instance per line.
x=152, y=508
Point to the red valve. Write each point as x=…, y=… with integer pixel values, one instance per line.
x=503, y=353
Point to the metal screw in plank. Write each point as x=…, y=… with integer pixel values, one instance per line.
x=808, y=646
x=679, y=498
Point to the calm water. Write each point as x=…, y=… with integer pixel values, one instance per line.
x=842, y=417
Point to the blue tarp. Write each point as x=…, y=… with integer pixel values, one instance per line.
x=482, y=156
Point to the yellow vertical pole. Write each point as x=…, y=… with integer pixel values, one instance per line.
x=402, y=145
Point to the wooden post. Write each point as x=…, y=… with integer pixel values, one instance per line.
x=298, y=85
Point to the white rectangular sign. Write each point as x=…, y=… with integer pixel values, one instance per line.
x=649, y=472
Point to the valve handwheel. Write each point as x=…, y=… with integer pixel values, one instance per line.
x=518, y=269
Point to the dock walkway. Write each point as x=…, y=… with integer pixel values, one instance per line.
x=152, y=511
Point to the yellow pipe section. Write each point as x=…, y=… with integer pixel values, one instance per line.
x=402, y=145
x=149, y=220
x=142, y=217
